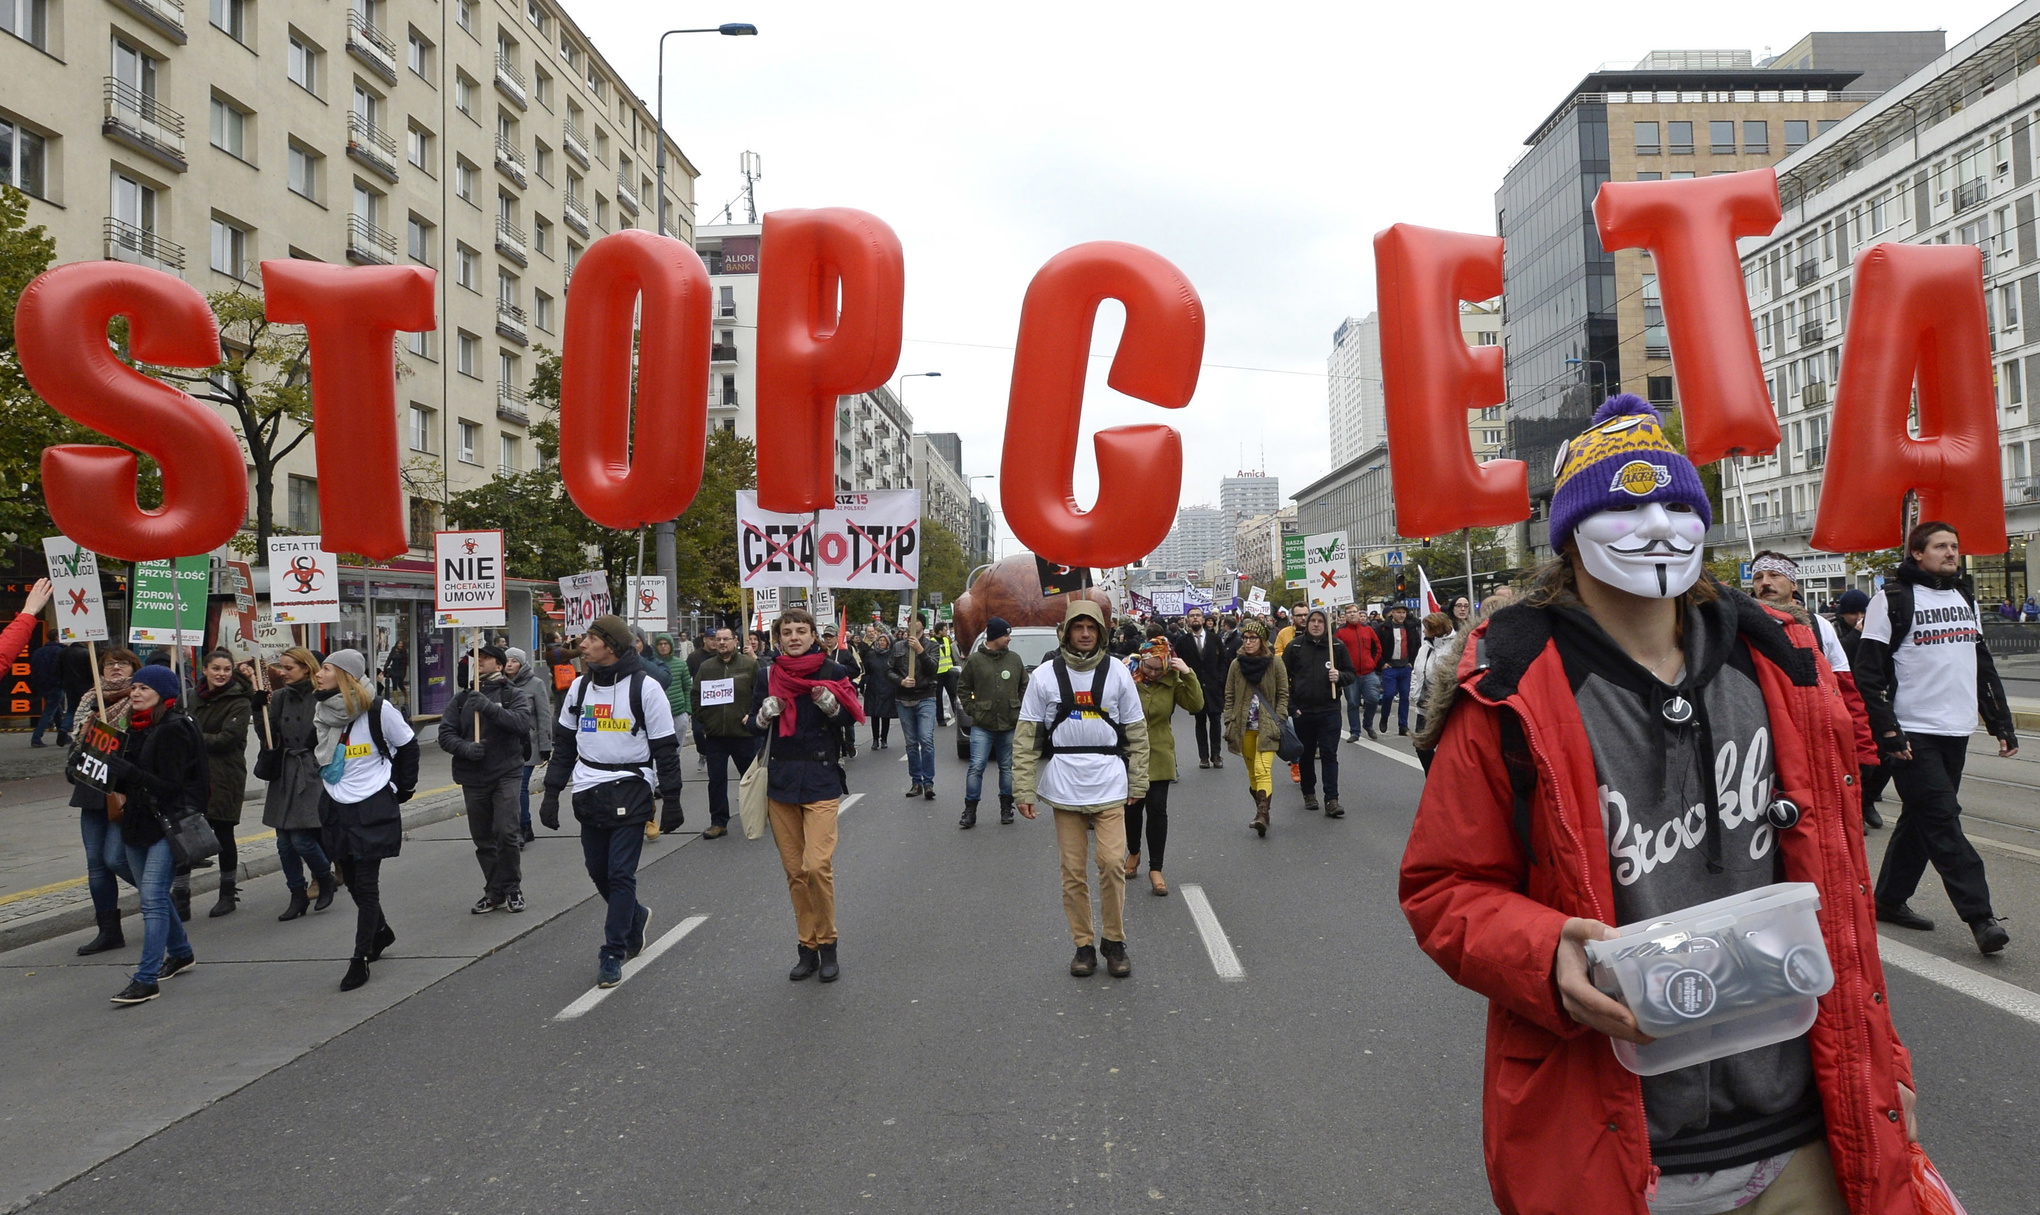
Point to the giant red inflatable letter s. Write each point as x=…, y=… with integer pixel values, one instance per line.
x=60, y=332
x=811, y=350
x=352, y=315
x=1918, y=309
x=1140, y=468
x=1431, y=377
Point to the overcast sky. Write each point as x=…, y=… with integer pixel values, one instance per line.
x=1258, y=148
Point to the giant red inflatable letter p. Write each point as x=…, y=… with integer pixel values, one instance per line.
x=60, y=332
x=352, y=315
x=1431, y=377
x=1918, y=310
x=811, y=349
x=1140, y=468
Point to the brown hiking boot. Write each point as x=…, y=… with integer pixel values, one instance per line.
x=1260, y=823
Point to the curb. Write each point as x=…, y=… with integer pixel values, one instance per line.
x=2026, y=720
x=30, y=929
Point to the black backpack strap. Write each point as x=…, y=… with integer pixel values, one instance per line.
x=637, y=705
x=375, y=731
x=1067, y=707
x=1898, y=605
x=1522, y=777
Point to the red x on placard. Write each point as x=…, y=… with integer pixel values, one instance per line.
x=78, y=607
x=877, y=551
x=774, y=549
x=1328, y=580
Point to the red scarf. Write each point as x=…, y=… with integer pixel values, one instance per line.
x=791, y=678
x=142, y=719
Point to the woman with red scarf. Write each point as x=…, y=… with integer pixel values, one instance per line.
x=804, y=781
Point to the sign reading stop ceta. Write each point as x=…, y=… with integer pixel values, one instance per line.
x=868, y=541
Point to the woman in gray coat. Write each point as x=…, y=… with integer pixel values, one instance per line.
x=529, y=680
x=291, y=803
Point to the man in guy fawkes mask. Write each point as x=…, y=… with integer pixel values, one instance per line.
x=1629, y=740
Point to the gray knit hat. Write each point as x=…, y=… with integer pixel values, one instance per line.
x=351, y=662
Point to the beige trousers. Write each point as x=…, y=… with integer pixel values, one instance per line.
x=806, y=836
x=1072, y=837
x=1806, y=1187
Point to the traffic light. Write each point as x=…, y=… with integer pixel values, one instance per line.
x=1402, y=586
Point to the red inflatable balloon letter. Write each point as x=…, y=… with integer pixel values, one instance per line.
x=352, y=315
x=616, y=481
x=1690, y=227
x=60, y=333
x=1140, y=468
x=1918, y=310
x=831, y=286
x=1431, y=377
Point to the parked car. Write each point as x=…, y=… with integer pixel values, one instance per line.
x=1033, y=643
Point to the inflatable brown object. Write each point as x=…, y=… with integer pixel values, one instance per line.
x=1011, y=590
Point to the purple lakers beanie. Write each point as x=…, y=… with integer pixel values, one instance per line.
x=1623, y=459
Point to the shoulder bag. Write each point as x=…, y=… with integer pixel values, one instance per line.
x=751, y=808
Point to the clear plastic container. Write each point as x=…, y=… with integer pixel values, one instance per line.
x=1718, y=979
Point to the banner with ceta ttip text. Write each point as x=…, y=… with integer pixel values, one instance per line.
x=868, y=541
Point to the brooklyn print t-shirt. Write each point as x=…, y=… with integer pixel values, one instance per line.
x=1936, y=663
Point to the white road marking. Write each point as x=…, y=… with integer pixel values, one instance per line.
x=843, y=807
x=2031, y=854
x=596, y=995
x=1399, y=756
x=1223, y=959
x=2003, y=996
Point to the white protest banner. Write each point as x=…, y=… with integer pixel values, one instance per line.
x=868, y=541
x=237, y=627
x=586, y=596
x=1257, y=601
x=822, y=606
x=906, y=614
x=1197, y=597
x=647, y=601
x=271, y=638
x=467, y=580
x=1167, y=602
x=304, y=581
x=74, y=580
x=1329, y=569
x=764, y=608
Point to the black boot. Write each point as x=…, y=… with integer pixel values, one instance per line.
x=1005, y=810
x=229, y=896
x=1870, y=816
x=830, y=971
x=299, y=904
x=357, y=974
x=109, y=935
x=810, y=961
x=385, y=937
x=181, y=899
x=328, y=887
x=969, y=818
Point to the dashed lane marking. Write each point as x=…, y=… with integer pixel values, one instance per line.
x=596, y=995
x=1402, y=757
x=843, y=807
x=2003, y=996
x=1223, y=959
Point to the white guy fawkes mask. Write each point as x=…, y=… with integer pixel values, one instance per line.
x=1652, y=551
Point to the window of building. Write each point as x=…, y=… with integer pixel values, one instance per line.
x=542, y=234
x=303, y=505
x=511, y=460
x=304, y=171
x=726, y=302
x=541, y=160
x=542, y=311
x=464, y=93
x=464, y=178
x=1659, y=389
x=1795, y=133
x=601, y=211
x=1825, y=125
x=418, y=240
x=23, y=157
x=542, y=87
x=419, y=343
x=418, y=146
x=594, y=79
x=464, y=13
x=1679, y=175
x=467, y=267
x=418, y=54
x=470, y=439
x=1649, y=176
x=506, y=287
x=535, y=13
x=729, y=390
x=1756, y=136
x=230, y=17
x=1646, y=139
x=229, y=128
x=27, y=20
x=303, y=63
x=2014, y=379
x=1491, y=438
x=421, y=428
x=467, y=348
x=2008, y=307
x=1680, y=136
x=229, y=248
x=1721, y=137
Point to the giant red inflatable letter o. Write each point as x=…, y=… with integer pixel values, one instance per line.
x=352, y=315
x=811, y=351
x=1431, y=377
x=615, y=481
x=60, y=331
x=1916, y=310
x=1690, y=227
x=1140, y=468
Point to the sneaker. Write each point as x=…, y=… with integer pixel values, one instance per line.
x=1904, y=917
x=1990, y=935
x=483, y=906
x=175, y=966
x=137, y=992
x=715, y=832
x=1333, y=809
x=1117, y=964
x=610, y=973
x=1370, y=730
x=515, y=902
x=636, y=940
x=928, y=791
x=1296, y=774
x=915, y=790
x=1085, y=963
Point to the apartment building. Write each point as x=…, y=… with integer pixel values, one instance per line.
x=1202, y=535
x=945, y=495
x=1580, y=322
x=730, y=252
x=1946, y=157
x=487, y=139
x=1357, y=406
x=1257, y=546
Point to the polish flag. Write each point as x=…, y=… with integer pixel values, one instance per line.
x=1429, y=601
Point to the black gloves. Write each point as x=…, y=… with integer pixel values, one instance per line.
x=404, y=795
x=671, y=815
x=549, y=810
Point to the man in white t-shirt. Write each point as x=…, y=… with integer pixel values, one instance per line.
x=1926, y=675
x=1081, y=748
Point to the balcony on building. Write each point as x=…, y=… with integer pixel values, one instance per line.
x=576, y=213
x=166, y=17
x=2021, y=490
x=1815, y=393
x=510, y=81
x=575, y=143
x=372, y=146
x=1816, y=456
x=1807, y=273
x=139, y=121
x=1657, y=342
x=1811, y=332
x=1971, y=193
x=510, y=322
x=509, y=160
x=127, y=243
x=722, y=354
x=510, y=241
x=511, y=405
x=371, y=46
x=626, y=194
x=369, y=244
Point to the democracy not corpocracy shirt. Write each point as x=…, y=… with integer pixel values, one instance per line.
x=1934, y=668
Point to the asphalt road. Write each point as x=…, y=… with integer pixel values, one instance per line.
x=956, y=1067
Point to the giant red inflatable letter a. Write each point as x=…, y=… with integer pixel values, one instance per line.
x=1917, y=312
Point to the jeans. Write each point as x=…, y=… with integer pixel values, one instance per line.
x=364, y=886
x=492, y=825
x=984, y=744
x=524, y=800
x=611, y=854
x=106, y=859
x=56, y=710
x=296, y=847
x=719, y=752
x=1152, y=813
x=1363, y=696
x=1395, y=689
x=1930, y=829
x=917, y=725
x=1319, y=734
x=162, y=932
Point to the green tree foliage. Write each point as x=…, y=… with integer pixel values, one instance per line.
x=705, y=538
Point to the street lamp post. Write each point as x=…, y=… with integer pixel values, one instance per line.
x=668, y=559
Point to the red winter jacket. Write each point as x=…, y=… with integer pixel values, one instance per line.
x=14, y=639
x=1363, y=646
x=1563, y=1120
